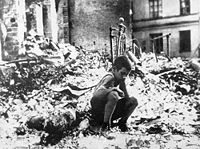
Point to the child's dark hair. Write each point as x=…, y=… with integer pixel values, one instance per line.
x=122, y=61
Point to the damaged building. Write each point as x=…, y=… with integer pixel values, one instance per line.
x=86, y=23
x=176, y=22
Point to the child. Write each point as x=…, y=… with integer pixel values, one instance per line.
x=110, y=102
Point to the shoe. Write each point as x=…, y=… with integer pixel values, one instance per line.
x=95, y=129
x=105, y=127
x=123, y=127
x=107, y=135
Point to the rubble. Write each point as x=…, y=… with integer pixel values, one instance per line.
x=51, y=101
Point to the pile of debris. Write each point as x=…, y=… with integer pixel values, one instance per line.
x=41, y=94
x=52, y=101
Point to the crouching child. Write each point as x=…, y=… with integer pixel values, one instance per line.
x=110, y=99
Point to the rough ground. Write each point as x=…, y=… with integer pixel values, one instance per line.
x=45, y=106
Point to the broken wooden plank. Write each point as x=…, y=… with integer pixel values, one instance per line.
x=170, y=71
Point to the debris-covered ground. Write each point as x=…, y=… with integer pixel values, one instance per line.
x=43, y=105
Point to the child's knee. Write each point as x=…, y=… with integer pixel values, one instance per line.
x=133, y=102
x=96, y=104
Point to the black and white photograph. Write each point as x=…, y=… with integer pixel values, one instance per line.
x=100, y=74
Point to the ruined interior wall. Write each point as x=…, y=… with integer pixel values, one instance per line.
x=88, y=21
x=63, y=22
x=92, y=19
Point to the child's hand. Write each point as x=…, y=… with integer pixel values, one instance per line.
x=120, y=92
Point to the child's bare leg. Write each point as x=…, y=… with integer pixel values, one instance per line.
x=130, y=106
x=98, y=102
x=123, y=110
x=110, y=106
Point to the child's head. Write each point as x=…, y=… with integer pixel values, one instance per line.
x=121, y=67
x=122, y=61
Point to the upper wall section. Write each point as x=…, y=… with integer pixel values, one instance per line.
x=169, y=7
x=91, y=20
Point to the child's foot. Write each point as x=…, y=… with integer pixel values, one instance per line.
x=107, y=135
x=95, y=129
x=105, y=127
x=123, y=127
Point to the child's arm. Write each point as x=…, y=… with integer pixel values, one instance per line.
x=108, y=85
x=123, y=88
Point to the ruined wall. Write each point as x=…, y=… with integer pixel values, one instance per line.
x=14, y=22
x=63, y=21
x=89, y=21
x=84, y=22
x=10, y=21
x=92, y=19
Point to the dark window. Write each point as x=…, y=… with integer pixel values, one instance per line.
x=155, y=8
x=157, y=44
x=185, y=43
x=45, y=18
x=131, y=11
x=65, y=19
x=65, y=15
x=184, y=7
x=66, y=34
x=65, y=11
x=144, y=44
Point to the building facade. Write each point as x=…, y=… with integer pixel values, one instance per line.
x=177, y=20
x=86, y=23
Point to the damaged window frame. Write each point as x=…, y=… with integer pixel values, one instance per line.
x=184, y=7
x=155, y=8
